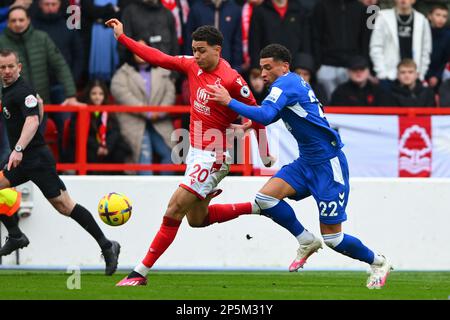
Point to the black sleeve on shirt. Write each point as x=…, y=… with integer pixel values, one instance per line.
x=26, y=99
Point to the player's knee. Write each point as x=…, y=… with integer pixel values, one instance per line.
x=175, y=210
x=265, y=202
x=62, y=205
x=195, y=223
x=63, y=208
x=333, y=240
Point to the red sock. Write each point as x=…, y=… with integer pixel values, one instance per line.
x=162, y=240
x=225, y=212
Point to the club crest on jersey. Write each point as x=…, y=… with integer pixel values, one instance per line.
x=245, y=91
x=6, y=113
x=31, y=101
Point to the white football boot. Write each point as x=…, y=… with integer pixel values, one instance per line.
x=379, y=274
x=303, y=253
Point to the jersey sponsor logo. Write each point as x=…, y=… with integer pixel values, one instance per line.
x=245, y=91
x=239, y=81
x=200, y=71
x=202, y=108
x=6, y=113
x=201, y=101
x=274, y=94
x=217, y=81
x=31, y=101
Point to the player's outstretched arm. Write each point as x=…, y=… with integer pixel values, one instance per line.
x=264, y=114
x=149, y=54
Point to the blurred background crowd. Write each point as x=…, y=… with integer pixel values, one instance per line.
x=352, y=54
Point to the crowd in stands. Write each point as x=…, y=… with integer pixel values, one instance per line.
x=349, y=55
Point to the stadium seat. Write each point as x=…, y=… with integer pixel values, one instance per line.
x=51, y=137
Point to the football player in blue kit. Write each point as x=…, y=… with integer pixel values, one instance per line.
x=321, y=169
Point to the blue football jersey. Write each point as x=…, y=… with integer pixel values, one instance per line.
x=303, y=116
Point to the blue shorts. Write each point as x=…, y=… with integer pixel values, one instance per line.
x=327, y=182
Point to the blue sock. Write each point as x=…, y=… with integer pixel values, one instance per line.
x=354, y=248
x=280, y=212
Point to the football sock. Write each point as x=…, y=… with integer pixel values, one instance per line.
x=305, y=237
x=12, y=225
x=349, y=246
x=86, y=220
x=280, y=212
x=255, y=208
x=225, y=212
x=161, y=242
x=378, y=260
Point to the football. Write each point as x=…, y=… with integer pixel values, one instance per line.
x=115, y=209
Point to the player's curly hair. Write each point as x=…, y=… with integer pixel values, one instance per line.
x=277, y=52
x=210, y=34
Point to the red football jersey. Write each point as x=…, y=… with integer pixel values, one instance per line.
x=207, y=117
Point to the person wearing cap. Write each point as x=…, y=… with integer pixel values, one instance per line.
x=359, y=90
x=304, y=67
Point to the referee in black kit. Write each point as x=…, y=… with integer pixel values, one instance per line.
x=31, y=159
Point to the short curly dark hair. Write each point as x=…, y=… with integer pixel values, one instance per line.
x=277, y=52
x=210, y=34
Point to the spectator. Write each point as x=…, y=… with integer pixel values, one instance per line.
x=278, y=21
x=304, y=66
x=151, y=21
x=444, y=94
x=6, y=6
x=180, y=12
x=400, y=33
x=339, y=33
x=246, y=17
x=446, y=74
x=407, y=90
x=441, y=44
x=39, y=56
x=257, y=87
x=138, y=84
x=359, y=91
x=103, y=54
x=225, y=15
x=51, y=19
x=369, y=2
x=308, y=5
x=425, y=6
x=105, y=142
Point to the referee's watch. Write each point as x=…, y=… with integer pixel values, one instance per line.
x=18, y=148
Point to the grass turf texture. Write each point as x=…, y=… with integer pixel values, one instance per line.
x=305, y=285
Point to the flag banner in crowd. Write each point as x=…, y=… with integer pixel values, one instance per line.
x=375, y=145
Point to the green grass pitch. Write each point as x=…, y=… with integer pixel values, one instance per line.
x=305, y=285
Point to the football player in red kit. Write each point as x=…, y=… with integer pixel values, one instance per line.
x=207, y=160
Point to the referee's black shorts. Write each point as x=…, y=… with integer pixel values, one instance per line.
x=39, y=166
